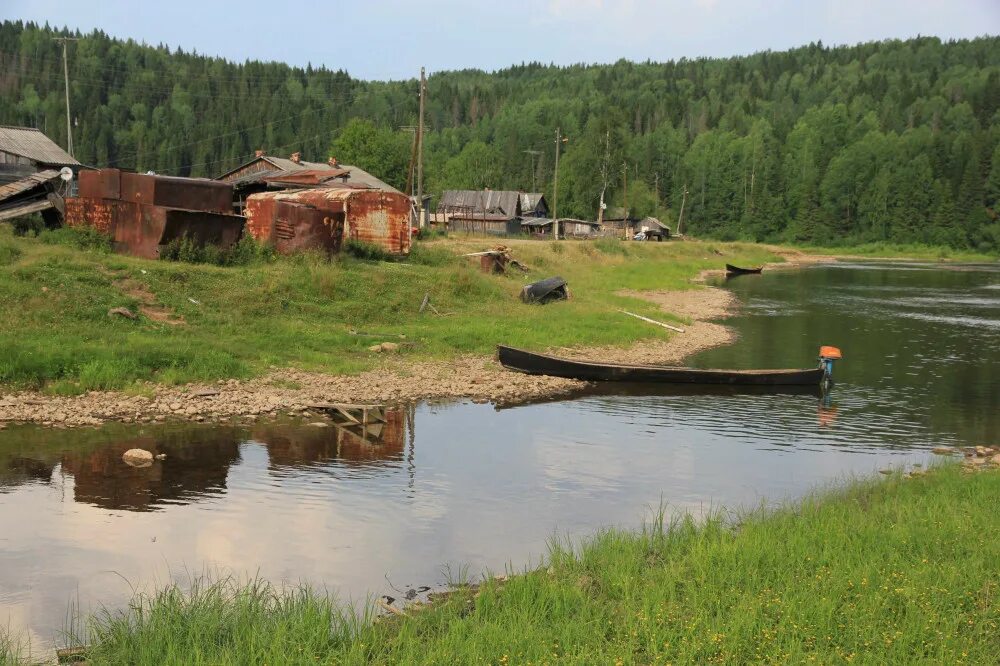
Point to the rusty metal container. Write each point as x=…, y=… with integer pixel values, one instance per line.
x=143, y=212
x=326, y=218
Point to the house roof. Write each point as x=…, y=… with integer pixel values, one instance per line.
x=282, y=166
x=31, y=143
x=493, y=202
x=545, y=221
x=652, y=222
x=530, y=200
x=29, y=182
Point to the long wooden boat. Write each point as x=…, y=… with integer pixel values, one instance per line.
x=736, y=270
x=543, y=364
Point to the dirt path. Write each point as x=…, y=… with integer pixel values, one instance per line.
x=148, y=304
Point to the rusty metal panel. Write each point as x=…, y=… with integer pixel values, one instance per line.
x=371, y=216
x=97, y=213
x=187, y=193
x=299, y=226
x=100, y=184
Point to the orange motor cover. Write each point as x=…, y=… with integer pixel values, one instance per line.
x=829, y=352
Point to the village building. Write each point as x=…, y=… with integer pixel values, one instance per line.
x=142, y=213
x=533, y=204
x=490, y=212
x=267, y=173
x=568, y=227
x=617, y=222
x=30, y=163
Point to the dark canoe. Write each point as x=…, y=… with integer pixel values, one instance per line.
x=736, y=270
x=542, y=364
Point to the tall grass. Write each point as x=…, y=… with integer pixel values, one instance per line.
x=884, y=572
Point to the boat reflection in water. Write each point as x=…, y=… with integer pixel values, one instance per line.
x=199, y=458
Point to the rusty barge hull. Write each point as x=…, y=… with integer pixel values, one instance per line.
x=326, y=218
x=144, y=212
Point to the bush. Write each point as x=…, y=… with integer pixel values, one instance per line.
x=367, y=251
x=83, y=238
x=245, y=252
x=427, y=233
x=9, y=254
x=28, y=225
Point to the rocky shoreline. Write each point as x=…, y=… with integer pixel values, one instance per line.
x=291, y=391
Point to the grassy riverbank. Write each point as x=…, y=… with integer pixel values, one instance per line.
x=880, y=571
x=208, y=322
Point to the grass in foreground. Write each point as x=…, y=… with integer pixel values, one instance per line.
x=881, y=571
x=239, y=320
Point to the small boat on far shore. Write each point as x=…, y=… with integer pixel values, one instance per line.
x=736, y=270
x=542, y=364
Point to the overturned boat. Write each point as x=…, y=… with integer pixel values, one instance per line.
x=542, y=364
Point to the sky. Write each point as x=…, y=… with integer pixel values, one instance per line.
x=391, y=39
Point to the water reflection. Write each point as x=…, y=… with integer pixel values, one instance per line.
x=198, y=459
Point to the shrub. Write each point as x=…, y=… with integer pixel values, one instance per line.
x=83, y=238
x=28, y=225
x=245, y=252
x=367, y=251
x=9, y=254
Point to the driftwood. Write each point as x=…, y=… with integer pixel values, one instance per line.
x=652, y=321
x=390, y=608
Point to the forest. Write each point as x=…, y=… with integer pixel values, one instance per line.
x=895, y=141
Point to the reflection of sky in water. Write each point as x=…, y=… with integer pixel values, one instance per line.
x=477, y=487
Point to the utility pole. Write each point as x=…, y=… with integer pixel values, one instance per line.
x=555, y=189
x=420, y=152
x=69, y=126
x=680, y=218
x=625, y=196
x=604, y=178
x=533, y=154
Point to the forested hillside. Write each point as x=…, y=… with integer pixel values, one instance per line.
x=896, y=141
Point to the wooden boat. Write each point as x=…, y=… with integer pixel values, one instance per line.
x=542, y=364
x=736, y=270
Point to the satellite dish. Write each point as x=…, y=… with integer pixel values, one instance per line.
x=66, y=174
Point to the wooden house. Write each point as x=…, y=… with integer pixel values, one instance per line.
x=29, y=173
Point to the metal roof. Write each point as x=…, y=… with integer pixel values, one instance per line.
x=545, y=221
x=283, y=165
x=479, y=202
x=29, y=142
x=27, y=183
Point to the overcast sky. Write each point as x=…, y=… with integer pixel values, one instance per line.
x=391, y=39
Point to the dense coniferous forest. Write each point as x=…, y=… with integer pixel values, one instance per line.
x=891, y=141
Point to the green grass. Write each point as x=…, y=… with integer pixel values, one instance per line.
x=907, y=251
x=300, y=311
x=879, y=571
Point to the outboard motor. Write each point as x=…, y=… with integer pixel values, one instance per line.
x=827, y=355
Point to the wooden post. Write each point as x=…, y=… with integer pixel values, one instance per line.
x=680, y=218
x=555, y=191
x=420, y=153
x=69, y=125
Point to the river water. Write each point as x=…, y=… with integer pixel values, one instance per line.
x=450, y=488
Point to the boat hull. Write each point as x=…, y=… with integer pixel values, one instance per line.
x=554, y=366
x=736, y=270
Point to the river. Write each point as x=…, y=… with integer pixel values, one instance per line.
x=446, y=490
